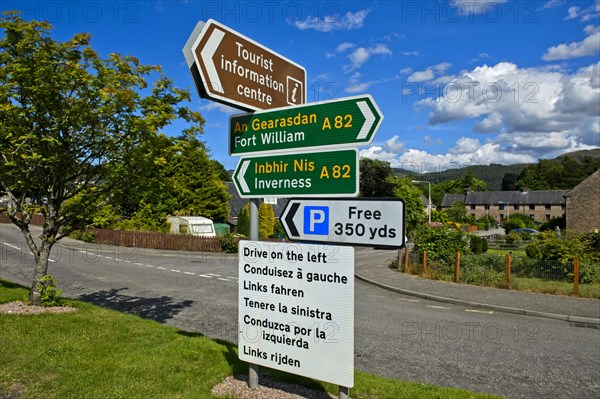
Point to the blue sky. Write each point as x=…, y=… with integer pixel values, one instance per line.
x=459, y=82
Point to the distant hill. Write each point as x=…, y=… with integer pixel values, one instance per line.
x=491, y=174
x=579, y=155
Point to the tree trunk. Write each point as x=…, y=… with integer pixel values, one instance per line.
x=41, y=269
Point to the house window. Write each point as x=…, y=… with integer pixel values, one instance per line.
x=487, y=207
x=548, y=207
x=501, y=207
x=547, y=216
x=472, y=207
x=516, y=207
x=532, y=207
x=563, y=207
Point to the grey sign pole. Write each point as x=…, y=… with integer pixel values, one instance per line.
x=253, y=368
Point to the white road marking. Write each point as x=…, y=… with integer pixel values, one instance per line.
x=479, y=311
x=409, y=300
x=189, y=273
x=149, y=266
x=222, y=279
x=206, y=276
x=176, y=271
x=30, y=253
x=161, y=268
x=436, y=307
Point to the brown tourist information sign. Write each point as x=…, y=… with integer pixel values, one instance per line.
x=240, y=72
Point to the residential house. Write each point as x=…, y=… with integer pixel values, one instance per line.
x=583, y=205
x=540, y=206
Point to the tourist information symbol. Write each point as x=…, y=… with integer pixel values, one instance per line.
x=374, y=222
x=333, y=173
x=232, y=69
x=345, y=122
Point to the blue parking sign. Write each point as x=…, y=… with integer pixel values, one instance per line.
x=316, y=220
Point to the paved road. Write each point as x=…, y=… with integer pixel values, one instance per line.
x=396, y=336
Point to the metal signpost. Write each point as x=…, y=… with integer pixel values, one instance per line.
x=315, y=304
x=232, y=69
x=330, y=124
x=313, y=174
x=369, y=221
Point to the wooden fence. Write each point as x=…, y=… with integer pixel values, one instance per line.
x=140, y=239
x=36, y=219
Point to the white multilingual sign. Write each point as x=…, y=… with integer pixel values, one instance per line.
x=375, y=222
x=296, y=309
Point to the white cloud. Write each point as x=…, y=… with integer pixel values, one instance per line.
x=362, y=54
x=475, y=7
x=428, y=74
x=525, y=113
x=215, y=106
x=466, y=152
x=333, y=22
x=344, y=46
x=421, y=76
x=588, y=47
x=584, y=14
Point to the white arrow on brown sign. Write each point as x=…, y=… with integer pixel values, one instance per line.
x=232, y=69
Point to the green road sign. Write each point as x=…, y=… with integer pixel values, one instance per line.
x=332, y=173
x=344, y=122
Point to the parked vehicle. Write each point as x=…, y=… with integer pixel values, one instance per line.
x=194, y=225
x=526, y=230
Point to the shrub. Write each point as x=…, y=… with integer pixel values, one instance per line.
x=83, y=235
x=230, y=243
x=49, y=294
x=441, y=243
x=484, y=270
x=478, y=245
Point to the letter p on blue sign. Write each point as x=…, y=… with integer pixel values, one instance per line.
x=316, y=220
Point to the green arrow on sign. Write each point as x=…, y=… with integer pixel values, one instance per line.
x=345, y=122
x=332, y=173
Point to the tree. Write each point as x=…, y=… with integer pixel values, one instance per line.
x=457, y=212
x=509, y=182
x=413, y=204
x=266, y=220
x=69, y=121
x=377, y=179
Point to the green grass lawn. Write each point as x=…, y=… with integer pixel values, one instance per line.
x=100, y=353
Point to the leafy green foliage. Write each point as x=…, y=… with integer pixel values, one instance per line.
x=441, y=243
x=562, y=173
x=518, y=221
x=413, y=204
x=458, y=213
x=266, y=221
x=377, y=179
x=478, y=245
x=73, y=123
x=550, y=246
x=243, y=225
x=49, y=294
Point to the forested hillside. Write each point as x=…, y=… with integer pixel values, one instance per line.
x=561, y=173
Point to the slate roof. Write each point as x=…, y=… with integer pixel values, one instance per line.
x=449, y=199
